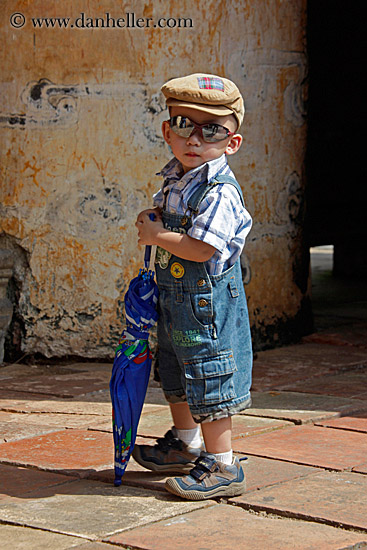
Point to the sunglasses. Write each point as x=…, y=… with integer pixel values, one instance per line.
x=185, y=127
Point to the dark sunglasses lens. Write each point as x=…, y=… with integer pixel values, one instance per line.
x=214, y=132
x=182, y=126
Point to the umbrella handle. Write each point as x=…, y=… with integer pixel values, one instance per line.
x=148, y=249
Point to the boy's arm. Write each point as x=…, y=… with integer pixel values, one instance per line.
x=181, y=245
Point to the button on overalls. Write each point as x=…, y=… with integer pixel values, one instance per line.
x=204, y=341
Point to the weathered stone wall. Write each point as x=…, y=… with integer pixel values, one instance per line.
x=80, y=117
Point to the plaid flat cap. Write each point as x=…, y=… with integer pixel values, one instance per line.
x=205, y=92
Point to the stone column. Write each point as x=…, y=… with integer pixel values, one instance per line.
x=6, y=307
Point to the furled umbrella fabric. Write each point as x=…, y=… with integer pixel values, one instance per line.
x=131, y=366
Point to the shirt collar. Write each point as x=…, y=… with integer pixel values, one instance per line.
x=173, y=170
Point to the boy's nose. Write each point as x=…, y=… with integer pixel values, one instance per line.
x=195, y=136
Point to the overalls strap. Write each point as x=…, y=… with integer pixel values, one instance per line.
x=197, y=197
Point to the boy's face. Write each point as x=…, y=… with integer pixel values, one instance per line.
x=194, y=151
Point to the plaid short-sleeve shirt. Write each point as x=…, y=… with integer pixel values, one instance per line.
x=222, y=221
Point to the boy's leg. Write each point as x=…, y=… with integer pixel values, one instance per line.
x=185, y=427
x=182, y=417
x=218, y=435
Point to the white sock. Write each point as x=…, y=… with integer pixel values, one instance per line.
x=192, y=438
x=226, y=458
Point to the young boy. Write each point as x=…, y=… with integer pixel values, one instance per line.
x=204, y=344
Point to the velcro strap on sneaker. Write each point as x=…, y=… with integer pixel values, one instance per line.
x=203, y=467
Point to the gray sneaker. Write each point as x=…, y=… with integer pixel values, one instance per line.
x=209, y=479
x=170, y=454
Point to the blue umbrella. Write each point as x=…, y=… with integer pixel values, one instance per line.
x=131, y=366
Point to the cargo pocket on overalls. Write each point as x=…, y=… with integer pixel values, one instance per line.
x=210, y=380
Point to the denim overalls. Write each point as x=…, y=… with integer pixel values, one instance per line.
x=204, y=341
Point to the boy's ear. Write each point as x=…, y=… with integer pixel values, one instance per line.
x=234, y=144
x=166, y=131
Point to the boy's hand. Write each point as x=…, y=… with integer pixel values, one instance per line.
x=148, y=229
x=181, y=245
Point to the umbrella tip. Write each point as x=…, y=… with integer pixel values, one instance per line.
x=117, y=482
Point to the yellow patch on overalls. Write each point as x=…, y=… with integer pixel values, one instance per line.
x=177, y=270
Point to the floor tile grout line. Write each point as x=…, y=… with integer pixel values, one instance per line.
x=326, y=468
x=10, y=410
x=288, y=514
x=48, y=530
x=354, y=430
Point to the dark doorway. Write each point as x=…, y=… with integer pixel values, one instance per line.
x=336, y=153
